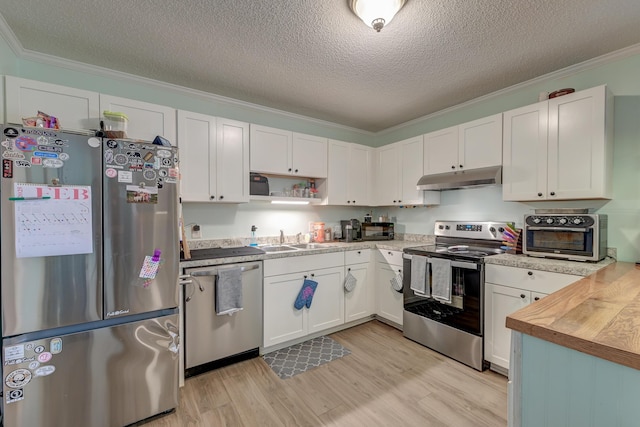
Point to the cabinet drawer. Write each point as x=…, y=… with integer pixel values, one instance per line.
x=390, y=257
x=357, y=257
x=540, y=281
x=296, y=264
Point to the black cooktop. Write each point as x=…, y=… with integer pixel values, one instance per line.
x=213, y=253
x=470, y=252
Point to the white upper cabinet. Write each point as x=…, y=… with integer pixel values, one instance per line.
x=399, y=167
x=441, y=151
x=280, y=152
x=214, y=158
x=560, y=149
x=472, y=145
x=146, y=121
x=76, y=109
x=350, y=172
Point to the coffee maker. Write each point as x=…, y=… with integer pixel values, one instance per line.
x=351, y=230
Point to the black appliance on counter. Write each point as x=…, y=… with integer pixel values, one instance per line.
x=443, y=289
x=351, y=230
x=378, y=231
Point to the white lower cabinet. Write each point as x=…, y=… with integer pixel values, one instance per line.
x=389, y=303
x=283, y=280
x=508, y=289
x=359, y=303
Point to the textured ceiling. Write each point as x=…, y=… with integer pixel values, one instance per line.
x=315, y=58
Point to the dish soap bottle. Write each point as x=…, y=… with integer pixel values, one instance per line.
x=254, y=240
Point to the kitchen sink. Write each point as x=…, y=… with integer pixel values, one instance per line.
x=310, y=246
x=280, y=248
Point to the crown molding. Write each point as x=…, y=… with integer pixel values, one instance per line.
x=558, y=74
x=43, y=58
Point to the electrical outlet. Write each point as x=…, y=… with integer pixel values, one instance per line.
x=196, y=233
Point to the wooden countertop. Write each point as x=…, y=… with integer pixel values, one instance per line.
x=598, y=315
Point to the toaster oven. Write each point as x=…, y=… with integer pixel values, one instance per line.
x=377, y=231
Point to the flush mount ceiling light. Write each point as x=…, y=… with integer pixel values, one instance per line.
x=376, y=13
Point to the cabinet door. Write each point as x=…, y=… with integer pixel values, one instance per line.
x=282, y=322
x=501, y=301
x=197, y=139
x=441, y=151
x=338, y=176
x=412, y=161
x=360, y=175
x=327, y=307
x=309, y=157
x=146, y=121
x=389, y=303
x=232, y=161
x=388, y=175
x=270, y=150
x=578, y=145
x=480, y=143
x=359, y=303
x=75, y=108
x=524, y=156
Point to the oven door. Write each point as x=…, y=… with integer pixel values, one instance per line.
x=559, y=242
x=465, y=310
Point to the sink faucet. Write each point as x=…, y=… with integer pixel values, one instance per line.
x=281, y=237
x=298, y=238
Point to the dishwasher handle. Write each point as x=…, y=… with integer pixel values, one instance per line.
x=214, y=272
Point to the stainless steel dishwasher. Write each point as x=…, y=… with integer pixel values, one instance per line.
x=211, y=340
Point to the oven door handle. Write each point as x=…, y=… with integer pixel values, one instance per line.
x=465, y=265
x=579, y=230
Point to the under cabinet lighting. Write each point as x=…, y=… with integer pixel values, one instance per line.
x=289, y=202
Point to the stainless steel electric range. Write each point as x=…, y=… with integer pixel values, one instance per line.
x=443, y=287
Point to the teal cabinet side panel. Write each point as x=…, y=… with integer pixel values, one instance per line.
x=565, y=388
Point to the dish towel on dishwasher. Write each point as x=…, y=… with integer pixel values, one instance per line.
x=441, y=279
x=419, y=276
x=229, y=291
x=305, y=296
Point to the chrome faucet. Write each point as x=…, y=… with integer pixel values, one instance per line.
x=281, y=237
x=298, y=238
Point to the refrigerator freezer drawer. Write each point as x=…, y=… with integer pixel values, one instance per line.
x=106, y=377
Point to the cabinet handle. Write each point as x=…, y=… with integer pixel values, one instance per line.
x=359, y=252
x=539, y=194
x=212, y=197
x=289, y=169
x=530, y=273
x=553, y=193
x=221, y=197
x=348, y=201
x=389, y=253
x=461, y=166
x=536, y=299
x=296, y=170
x=305, y=276
x=394, y=201
x=313, y=274
x=453, y=166
x=354, y=201
x=523, y=296
x=399, y=201
x=349, y=269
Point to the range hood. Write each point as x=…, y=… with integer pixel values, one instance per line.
x=461, y=179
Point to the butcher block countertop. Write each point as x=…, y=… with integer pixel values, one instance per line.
x=598, y=315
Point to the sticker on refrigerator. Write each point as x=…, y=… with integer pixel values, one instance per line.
x=18, y=378
x=150, y=267
x=139, y=194
x=125, y=176
x=93, y=142
x=36, y=161
x=14, y=352
x=13, y=155
x=15, y=395
x=44, y=357
x=26, y=143
x=43, y=371
x=7, y=168
x=56, y=345
x=11, y=132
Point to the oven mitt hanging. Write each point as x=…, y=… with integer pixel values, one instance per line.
x=350, y=282
x=396, y=282
x=305, y=296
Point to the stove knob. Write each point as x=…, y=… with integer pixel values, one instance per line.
x=492, y=229
x=446, y=227
x=441, y=227
x=501, y=229
x=536, y=220
x=563, y=221
x=577, y=220
x=549, y=221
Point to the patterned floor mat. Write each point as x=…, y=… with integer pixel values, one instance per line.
x=299, y=358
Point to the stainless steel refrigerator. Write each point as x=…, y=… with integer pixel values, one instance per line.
x=89, y=267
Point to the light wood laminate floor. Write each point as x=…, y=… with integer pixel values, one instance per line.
x=387, y=380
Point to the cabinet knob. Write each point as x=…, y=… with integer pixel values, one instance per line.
x=349, y=269
x=539, y=194
x=399, y=201
x=389, y=253
x=221, y=197
x=530, y=273
x=461, y=166
x=354, y=201
x=313, y=274
x=523, y=296
x=289, y=169
x=212, y=197
x=305, y=276
x=394, y=201
x=359, y=252
x=453, y=166
x=553, y=193
x=536, y=299
x=348, y=201
x=296, y=170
